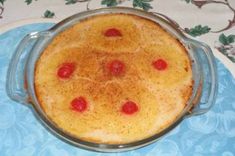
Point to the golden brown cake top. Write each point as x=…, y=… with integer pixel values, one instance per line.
x=114, y=78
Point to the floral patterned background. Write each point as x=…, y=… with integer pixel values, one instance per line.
x=222, y=10
x=210, y=21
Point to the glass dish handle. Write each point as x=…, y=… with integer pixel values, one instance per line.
x=204, y=100
x=209, y=83
x=16, y=82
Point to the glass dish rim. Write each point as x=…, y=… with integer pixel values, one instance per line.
x=98, y=146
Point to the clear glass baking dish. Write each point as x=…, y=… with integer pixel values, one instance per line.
x=20, y=76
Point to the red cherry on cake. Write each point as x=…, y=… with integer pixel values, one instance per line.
x=116, y=67
x=160, y=64
x=66, y=70
x=79, y=104
x=129, y=107
x=112, y=32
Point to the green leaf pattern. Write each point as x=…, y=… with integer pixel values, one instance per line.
x=226, y=40
x=2, y=1
x=49, y=14
x=28, y=2
x=227, y=46
x=70, y=2
x=197, y=30
x=143, y=4
x=188, y=1
x=109, y=3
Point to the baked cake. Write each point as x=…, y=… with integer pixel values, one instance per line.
x=113, y=79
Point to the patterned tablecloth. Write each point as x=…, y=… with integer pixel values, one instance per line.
x=210, y=21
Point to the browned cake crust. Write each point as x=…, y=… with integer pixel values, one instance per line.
x=161, y=95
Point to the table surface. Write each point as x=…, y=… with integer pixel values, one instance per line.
x=212, y=22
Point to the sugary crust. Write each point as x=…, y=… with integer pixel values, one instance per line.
x=161, y=95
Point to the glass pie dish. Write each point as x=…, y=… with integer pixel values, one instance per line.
x=21, y=88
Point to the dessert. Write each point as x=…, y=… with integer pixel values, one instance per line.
x=114, y=79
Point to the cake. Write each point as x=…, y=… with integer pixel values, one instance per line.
x=113, y=79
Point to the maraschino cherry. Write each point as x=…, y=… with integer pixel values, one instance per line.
x=79, y=104
x=116, y=67
x=66, y=70
x=112, y=32
x=160, y=64
x=129, y=107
